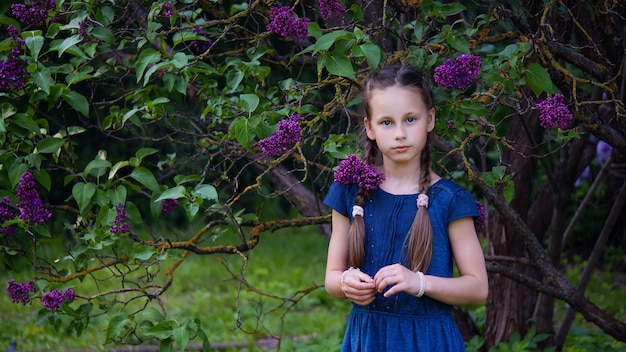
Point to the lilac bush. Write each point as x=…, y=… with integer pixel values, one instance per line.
x=55, y=298
x=331, y=8
x=284, y=138
x=13, y=74
x=354, y=170
x=554, y=113
x=30, y=205
x=120, y=225
x=36, y=14
x=20, y=292
x=284, y=22
x=459, y=73
x=169, y=205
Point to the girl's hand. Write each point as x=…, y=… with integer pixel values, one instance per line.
x=399, y=277
x=359, y=287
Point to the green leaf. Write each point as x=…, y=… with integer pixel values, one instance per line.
x=207, y=192
x=144, y=152
x=50, y=145
x=328, y=39
x=181, y=336
x=68, y=43
x=117, y=167
x=243, y=131
x=172, y=193
x=146, y=178
x=116, y=325
x=372, y=52
x=83, y=192
x=142, y=252
x=340, y=65
x=99, y=165
x=162, y=330
x=251, y=101
x=77, y=101
x=43, y=79
x=152, y=314
x=34, y=45
x=147, y=57
x=538, y=79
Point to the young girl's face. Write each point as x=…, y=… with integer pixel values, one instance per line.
x=399, y=122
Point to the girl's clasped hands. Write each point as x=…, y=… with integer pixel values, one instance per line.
x=361, y=288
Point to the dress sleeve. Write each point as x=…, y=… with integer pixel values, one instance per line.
x=341, y=199
x=463, y=205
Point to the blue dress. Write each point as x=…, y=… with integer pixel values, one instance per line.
x=403, y=322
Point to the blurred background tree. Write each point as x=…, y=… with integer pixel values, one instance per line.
x=137, y=133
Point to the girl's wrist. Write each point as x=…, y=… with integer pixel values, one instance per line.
x=421, y=283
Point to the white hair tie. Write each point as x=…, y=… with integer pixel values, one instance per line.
x=422, y=201
x=357, y=210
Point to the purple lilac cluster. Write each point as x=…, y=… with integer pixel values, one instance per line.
x=169, y=205
x=200, y=46
x=7, y=212
x=30, y=205
x=36, y=14
x=167, y=10
x=20, y=291
x=120, y=225
x=353, y=170
x=331, y=8
x=54, y=299
x=451, y=125
x=459, y=73
x=284, y=22
x=13, y=72
x=480, y=221
x=284, y=138
x=553, y=113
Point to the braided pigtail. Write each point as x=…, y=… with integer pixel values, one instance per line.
x=356, y=234
x=420, y=238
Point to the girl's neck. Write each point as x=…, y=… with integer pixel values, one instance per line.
x=404, y=181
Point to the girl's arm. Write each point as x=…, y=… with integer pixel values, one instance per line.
x=471, y=286
x=358, y=286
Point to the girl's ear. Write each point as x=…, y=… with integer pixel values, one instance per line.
x=368, y=128
x=431, y=119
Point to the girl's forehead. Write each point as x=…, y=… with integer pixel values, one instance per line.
x=395, y=94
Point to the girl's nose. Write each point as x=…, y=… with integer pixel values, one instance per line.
x=400, y=133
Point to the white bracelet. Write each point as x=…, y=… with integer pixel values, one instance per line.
x=422, y=284
x=345, y=274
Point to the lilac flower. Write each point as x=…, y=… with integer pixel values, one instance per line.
x=54, y=299
x=120, y=225
x=331, y=8
x=20, y=291
x=30, y=205
x=284, y=22
x=7, y=212
x=200, y=46
x=603, y=151
x=36, y=14
x=459, y=73
x=13, y=72
x=480, y=221
x=451, y=125
x=284, y=138
x=166, y=9
x=353, y=170
x=169, y=205
x=553, y=113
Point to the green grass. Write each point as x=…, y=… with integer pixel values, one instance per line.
x=284, y=263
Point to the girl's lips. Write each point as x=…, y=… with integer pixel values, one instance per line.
x=401, y=149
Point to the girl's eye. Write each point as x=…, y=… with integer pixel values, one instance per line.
x=386, y=123
x=410, y=119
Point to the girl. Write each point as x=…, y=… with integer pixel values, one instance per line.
x=396, y=226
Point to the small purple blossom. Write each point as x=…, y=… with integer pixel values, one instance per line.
x=36, y=14
x=54, y=299
x=7, y=212
x=451, y=125
x=353, y=170
x=120, y=225
x=284, y=22
x=169, y=205
x=200, y=46
x=13, y=72
x=331, y=8
x=166, y=9
x=30, y=205
x=20, y=291
x=459, y=73
x=481, y=220
x=554, y=113
x=284, y=138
